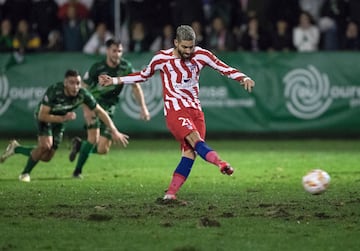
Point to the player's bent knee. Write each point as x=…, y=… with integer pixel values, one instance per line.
x=193, y=137
x=189, y=154
x=46, y=159
x=103, y=150
x=47, y=156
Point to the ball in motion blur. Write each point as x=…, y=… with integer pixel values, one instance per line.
x=316, y=181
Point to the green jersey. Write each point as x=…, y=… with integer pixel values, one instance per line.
x=61, y=104
x=107, y=96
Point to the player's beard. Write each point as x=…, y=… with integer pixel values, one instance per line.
x=183, y=55
x=115, y=61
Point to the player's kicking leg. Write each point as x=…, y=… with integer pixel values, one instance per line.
x=225, y=168
x=207, y=153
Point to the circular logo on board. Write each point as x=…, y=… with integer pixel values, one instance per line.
x=307, y=92
x=5, y=100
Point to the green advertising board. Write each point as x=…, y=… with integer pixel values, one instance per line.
x=294, y=93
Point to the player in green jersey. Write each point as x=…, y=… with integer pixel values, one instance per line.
x=98, y=137
x=54, y=110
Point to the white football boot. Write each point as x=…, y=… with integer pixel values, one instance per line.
x=9, y=151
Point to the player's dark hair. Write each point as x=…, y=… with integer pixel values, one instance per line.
x=71, y=73
x=185, y=32
x=112, y=41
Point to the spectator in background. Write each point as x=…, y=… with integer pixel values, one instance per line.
x=332, y=23
x=97, y=42
x=2, y=2
x=255, y=38
x=220, y=38
x=26, y=40
x=306, y=35
x=241, y=20
x=281, y=37
x=16, y=10
x=102, y=11
x=75, y=30
x=81, y=10
x=312, y=7
x=165, y=40
x=139, y=38
x=43, y=18
x=55, y=42
x=351, y=40
x=200, y=33
x=288, y=10
x=182, y=13
x=354, y=10
x=227, y=10
x=6, y=37
x=258, y=9
x=154, y=14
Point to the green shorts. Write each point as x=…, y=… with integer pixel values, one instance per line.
x=56, y=130
x=97, y=123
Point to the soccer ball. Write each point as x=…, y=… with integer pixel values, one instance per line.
x=316, y=181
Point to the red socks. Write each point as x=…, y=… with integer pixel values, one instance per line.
x=176, y=183
x=212, y=157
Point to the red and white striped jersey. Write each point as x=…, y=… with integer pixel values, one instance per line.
x=180, y=78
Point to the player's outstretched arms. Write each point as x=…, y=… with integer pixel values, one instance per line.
x=106, y=80
x=248, y=84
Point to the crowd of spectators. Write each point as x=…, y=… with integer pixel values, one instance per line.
x=149, y=25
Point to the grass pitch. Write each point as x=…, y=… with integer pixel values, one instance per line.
x=261, y=207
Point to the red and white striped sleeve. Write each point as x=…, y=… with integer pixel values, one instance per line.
x=211, y=60
x=144, y=74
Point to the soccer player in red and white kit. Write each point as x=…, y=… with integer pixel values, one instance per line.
x=180, y=70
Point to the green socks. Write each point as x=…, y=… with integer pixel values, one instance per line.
x=30, y=165
x=85, y=150
x=25, y=150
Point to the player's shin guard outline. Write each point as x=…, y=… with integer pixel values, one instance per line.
x=184, y=167
x=206, y=152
